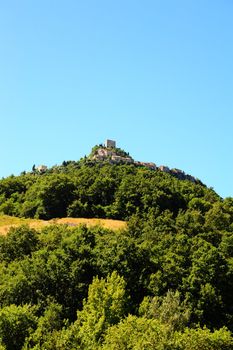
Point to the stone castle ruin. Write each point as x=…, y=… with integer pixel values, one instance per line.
x=110, y=144
x=108, y=152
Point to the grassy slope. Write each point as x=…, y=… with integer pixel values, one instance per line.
x=6, y=222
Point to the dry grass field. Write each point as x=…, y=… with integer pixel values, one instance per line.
x=6, y=222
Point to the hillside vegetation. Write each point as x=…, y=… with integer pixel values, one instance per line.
x=163, y=282
x=92, y=189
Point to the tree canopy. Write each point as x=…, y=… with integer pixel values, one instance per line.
x=164, y=282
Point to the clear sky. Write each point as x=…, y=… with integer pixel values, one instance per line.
x=154, y=75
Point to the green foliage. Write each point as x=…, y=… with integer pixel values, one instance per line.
x=168, y=310
x=117, y=251
x=83, y=288
x=91, y=189
x=104, y=307
x=20, y=242
x=206, y=281
x=16, y=323
x=49, y=197
x=179, y=279
x=47, y=327
x=137, y=333
x=203, y=339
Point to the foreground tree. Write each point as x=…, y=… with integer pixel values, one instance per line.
x=16, y=323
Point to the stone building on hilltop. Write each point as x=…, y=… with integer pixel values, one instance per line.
x=164, y=168
x=110, y=144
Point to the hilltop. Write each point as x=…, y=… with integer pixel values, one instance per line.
x=108, y=183
x=110, y=153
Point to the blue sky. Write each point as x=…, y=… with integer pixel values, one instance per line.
x=156, y=76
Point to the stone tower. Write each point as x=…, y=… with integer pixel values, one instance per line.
x=110, y=144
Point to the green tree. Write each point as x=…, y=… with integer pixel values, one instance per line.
x=47, y=327
x=16, y=323
x=204, y=339
x=206, y=282
x=104, y=307
x=20, y=242
x=167, y=310
x=138, y=333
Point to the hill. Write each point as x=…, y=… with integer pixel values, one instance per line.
x=164, y=280
x=106, y=184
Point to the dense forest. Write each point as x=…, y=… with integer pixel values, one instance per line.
x=164, y=283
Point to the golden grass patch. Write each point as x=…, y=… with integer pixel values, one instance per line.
x=107, y=223
x=6, y=222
